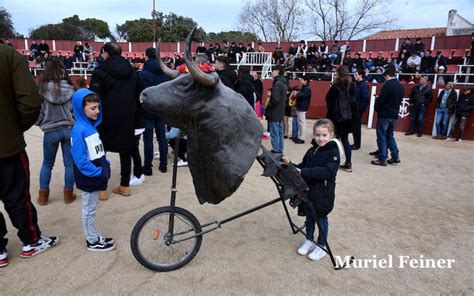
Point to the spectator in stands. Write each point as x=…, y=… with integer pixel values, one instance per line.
x=88, y=52
x=8, y=43
x=441, y=78
x=347, y=61
x=226, y=74
x=315, y=61
x=311, y=52
x=440, y=61
x=325, y=64
x=334, y=52
x=380, y=61
x=464, y=107
x=322, y=47
x=78, y=50
x=43, y=48
x=240, y=52
x=249, y=48
x=413, y=62
x=260, y=48
x=211, y=53
x=59, y=57
x=276, y=108
x=340, y=94
x=387, y=106
x=302, y=48
x=278, y=56
x=427, y=62
x=346, y=47
x=33, y=50
x=178, y=61
x=292, y=50
x=369, y=64
x=299, y=63
x=232, y=54
x=56, y=121
x=201, y=49
x=225, y=49
x=21, y=104
x=357, y=63
x=419, y=47
x=401, y=64
x=420, y=97
x=244, y=85
x=68, y=61
x=407, y=45
x=445, y=108
x=119, y=88
x=153, y=75
x=361, y=98
x=217, y=49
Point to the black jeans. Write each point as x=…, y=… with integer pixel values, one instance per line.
x=137, y=159
x=159, y=127
x=357, y=129
x=125, y=168
x=15, y=195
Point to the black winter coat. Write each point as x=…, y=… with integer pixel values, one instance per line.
x=228, y=77
x=303, y=99
x=451, y=103
x=342, y=127
x=276, y=107
x=420, y=96
x=465, y=105
x=119, y=89
x=319, y=169
x=244, y=86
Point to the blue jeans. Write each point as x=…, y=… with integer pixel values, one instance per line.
x=417, y=119
x=347, y=147
x=89, y=208
x=386, y=139
x=333, y=57
x=442, y=116
x=311, y=227
x=276, y=136
x=294, y=127
x=51, y=141
x=159, y=127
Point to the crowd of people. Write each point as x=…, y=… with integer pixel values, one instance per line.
x=107, y=117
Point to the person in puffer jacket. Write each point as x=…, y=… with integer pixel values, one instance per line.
x=91, y=168
x=319, y=169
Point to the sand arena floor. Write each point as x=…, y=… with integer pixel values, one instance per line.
x=424, y=206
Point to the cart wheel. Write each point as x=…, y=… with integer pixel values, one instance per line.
x=155, y=248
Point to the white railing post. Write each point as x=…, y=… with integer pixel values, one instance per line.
x=372, y=107
x=26, y=43
x=364, y=45
x=397, y=43
x=178, y=49
x=130, y=47
x=54, y=44
x=433, y=42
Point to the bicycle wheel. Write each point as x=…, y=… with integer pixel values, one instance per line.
x=156, y=248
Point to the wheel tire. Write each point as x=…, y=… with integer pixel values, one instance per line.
x=195, y=227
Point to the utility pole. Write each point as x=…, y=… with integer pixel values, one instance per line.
x=154, y=14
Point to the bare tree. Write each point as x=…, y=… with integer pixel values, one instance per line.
x=334, y=19
x=272, y=20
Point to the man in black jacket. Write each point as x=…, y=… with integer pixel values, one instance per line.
x=303, y=99
x=387, y=107
x=244, y=85
x=276, y=109
x=119, y=87
x=420, y=98
x=226, y=74
x=362, y=101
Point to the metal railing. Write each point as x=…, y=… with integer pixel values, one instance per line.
x=263, y=59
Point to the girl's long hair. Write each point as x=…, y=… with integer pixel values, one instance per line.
x=55, y=72
x=343, y=77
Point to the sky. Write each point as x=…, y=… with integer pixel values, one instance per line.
x=212, y=15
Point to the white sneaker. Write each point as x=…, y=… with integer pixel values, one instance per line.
x=266, y=134
x=182, y=163
x=156, y=155
x=134, y=181
x=306, y=247
x=317, y=254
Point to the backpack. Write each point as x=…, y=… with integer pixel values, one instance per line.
x=342, y=107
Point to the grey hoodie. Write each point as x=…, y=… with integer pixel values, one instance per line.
x=56, y=110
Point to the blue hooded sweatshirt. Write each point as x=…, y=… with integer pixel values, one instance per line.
x=91, y=168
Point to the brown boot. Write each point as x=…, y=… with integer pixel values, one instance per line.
x=69, y=195
x=122, y=190
x=103, y=195
x=43, y=197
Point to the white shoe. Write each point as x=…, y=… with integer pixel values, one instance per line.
x=317, y=254
x=182, y=163
x=266, y=134
x=134, y=181
x=306, y=247
x=156, y=155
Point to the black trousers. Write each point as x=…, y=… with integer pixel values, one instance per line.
x=15, y=195
x=137, y=159
x=183, y=143
x=357, y=128
x=125, y=168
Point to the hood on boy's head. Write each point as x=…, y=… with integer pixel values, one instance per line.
x=79, y=113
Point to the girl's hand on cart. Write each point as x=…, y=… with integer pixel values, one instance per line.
x=285, y=160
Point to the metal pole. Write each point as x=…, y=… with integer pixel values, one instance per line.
x=153, y=15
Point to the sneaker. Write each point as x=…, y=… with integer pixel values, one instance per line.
x=266, y=134
x=156, y=155
x=163, y=168
x=3, y=257
x=346, y=167
x=182, y=163
x=317, y=254
x=134, y=181
x=393, y=161
x=43, y=244
x=298, y=141
x=450, y=139
x=354, y=147
x=108, y=240
x=378, y=162
x=100, y=245
x=306, y=247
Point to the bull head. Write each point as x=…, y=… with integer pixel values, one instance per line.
x=224, y=133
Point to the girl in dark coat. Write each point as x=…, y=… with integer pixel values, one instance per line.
x=343, y=83
x=319, y=168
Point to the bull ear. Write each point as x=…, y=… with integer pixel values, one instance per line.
x=194, y=70
x=169, y=72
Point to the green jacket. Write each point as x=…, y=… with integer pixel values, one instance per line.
x=20, y=101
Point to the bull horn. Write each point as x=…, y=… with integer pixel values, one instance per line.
x=194, y=70
x=170, y=73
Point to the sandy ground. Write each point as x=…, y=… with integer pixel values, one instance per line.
x=422, y=207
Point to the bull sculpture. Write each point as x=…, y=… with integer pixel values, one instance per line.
x=224, y=133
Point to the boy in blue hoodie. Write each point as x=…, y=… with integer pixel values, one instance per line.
x=91, y=168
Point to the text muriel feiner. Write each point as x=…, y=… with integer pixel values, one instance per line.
x=400, y=261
